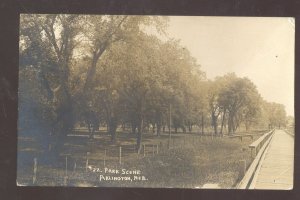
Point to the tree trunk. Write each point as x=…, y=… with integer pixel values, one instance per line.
x=202, y=123
x=230, y=123
x=55, y=145
x=89, y=127
x=183, y=129
x=139, y=135
x=222, y=125
x=112, y=129
x=214, y=123
x=123, y=127
x=158, y=122
x=190, y=127
x=92, y=69
x=133, y=127
x=107, y=127
x=63, y=125
x=158, y=130
x=215, y=128
x=153, y=128
x=93, y=131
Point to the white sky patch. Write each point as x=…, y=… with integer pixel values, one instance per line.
x=260, y=48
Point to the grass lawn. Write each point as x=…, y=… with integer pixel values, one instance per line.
x=191, y=161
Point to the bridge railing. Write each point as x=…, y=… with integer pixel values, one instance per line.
x=258, y=147
x=244, y=136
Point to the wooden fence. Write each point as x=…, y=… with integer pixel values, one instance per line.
x=259, y=146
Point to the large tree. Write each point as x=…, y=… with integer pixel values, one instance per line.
x=275, y=114
x=233, y=100
x=66, y=50
x=47, y=44
x=240, y=99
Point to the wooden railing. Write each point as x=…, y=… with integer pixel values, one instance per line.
x=244, y=136
x=258, y=147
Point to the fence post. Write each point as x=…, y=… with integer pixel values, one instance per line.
x=104, y=157
x=161, y=145
x=144, y=149
x=156, y=148
x=242, y=168
x=120, y=155
x=87, y=161
x=34, y=170
x=255, y=151
x=152, y=149
x=74, y=169
x=65, y=180
x=66, y=165
x=66, y=176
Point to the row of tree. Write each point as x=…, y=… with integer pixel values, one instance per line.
x=111, y=70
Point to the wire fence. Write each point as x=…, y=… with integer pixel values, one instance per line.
x=112, y=157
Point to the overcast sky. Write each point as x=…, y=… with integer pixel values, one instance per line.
x=260, y=48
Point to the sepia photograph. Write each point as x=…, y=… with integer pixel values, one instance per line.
x=155, y=101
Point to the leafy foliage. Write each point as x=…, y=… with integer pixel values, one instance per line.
x=111, y=70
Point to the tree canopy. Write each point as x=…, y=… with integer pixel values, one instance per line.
x=111, y=70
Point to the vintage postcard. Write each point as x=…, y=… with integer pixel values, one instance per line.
x=156, y=101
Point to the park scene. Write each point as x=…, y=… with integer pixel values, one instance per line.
x=155, y=101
